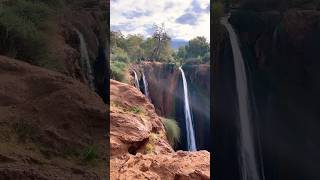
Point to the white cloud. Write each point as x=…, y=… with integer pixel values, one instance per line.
x=157, y=12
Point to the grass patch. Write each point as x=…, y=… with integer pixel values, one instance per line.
x=136, y=110
x=90, y=154
x=149, y=148
x=172, y=131
x=150, y=145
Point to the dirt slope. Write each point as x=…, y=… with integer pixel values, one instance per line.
x=51, y=126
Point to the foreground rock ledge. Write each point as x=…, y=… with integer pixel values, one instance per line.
x=139, y=147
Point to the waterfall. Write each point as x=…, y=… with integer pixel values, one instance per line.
x=145, y=85
x=136, y=80
x=84, y=59
x=248, y=161
x=187, y=113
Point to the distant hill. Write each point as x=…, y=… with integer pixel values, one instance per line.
x=176, y=43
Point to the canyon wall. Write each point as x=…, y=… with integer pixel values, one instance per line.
x=166, y=93
x=281, y=53
x=90, y=20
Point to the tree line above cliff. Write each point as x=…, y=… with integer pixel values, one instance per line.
x=132, y=48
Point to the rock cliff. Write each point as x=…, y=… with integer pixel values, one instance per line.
x=281, y=53
x=139, y=147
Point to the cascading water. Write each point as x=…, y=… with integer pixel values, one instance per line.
x=136, y=79
x=84, y=59
x=145, y=85
x=249, y=167
x=189, y=127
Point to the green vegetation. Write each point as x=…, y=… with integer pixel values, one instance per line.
x=172, y=130
x=90, y=154
x=26, y=28
x=198, y=49
x=134, y=48
x=149, y=148
x=23, y=31
x=118, y=71
x=136, y=110
x=150, y=145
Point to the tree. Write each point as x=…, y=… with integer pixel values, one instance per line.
x=117, y=40
x=197, y=47
x=148, y=47
x=182, y=52
x=134, y=49
x=162, y=41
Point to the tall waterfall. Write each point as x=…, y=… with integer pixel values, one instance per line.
x=84, y=59
x=249, y=167
x=145, y=85
x=189, y=127
x=136, y=80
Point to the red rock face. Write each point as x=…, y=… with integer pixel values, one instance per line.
x=139, y=147
x=163, y=81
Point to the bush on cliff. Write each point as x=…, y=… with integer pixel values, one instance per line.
x=118, y=71
x=22, y=31
x=172, y=131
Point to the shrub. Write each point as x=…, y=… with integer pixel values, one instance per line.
x=118, y=71
x=136, y=110
x=118, y=54
x=172, y=131
x=21, y=32
x=149, y=148
x=90, y=154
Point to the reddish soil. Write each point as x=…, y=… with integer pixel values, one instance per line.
x=48, y=125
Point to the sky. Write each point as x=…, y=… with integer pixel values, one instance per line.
x=183, y=19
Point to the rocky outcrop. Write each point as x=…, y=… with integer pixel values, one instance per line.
x=139, y=147
x=51, y=126
x=133, y=122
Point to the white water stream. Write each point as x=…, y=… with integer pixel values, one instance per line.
x=189, y=127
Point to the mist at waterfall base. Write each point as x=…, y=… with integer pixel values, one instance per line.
x=190, y=139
